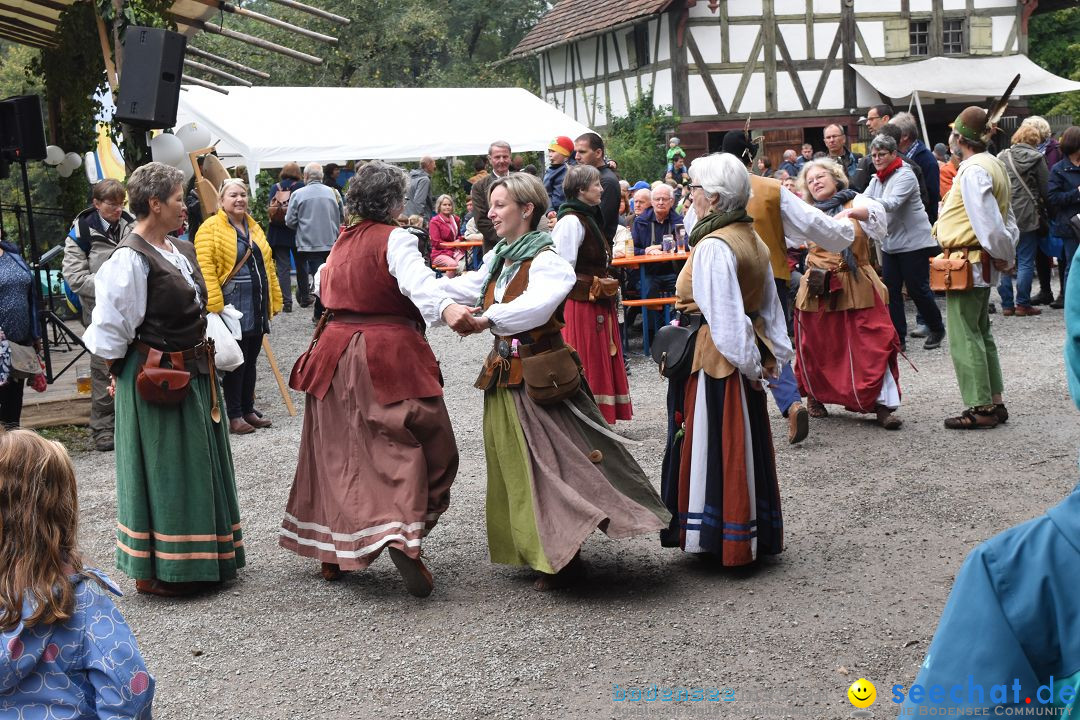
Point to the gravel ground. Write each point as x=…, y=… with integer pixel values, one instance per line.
x=876, y=524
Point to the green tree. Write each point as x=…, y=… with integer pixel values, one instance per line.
x=1054, y=42
x=636, y=141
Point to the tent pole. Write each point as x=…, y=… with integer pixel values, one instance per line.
x=922, y=120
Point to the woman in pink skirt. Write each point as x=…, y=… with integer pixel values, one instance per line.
x=592, y=327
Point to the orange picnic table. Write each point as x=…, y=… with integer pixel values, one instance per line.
x=664, y=303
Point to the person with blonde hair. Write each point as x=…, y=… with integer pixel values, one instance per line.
x=845, y=344
x=443, y=229
x=1028, y=177
x=281, y=237
x=65, y=649
x=239, y=270
x=177, y=516
x=556, y=471
x=1051, y=150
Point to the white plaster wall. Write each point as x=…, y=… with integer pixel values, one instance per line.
x=824, y=33
x=741, y=41
x=809, y=82
x=833, y=96
x=954, y=4
x=660, y=25
x=795, y=39
x=701, y=10
x=921, y=6
x=754, y=99
x=862, y=6
x=743, y=8
x=981, y=4
x=662, y=88
x=710, y=41
x=586, y=50
x=790, y=7
x=727, y=85
x=1001, y=27
x=786, y=98
x=826, y=6
x=700, y=102
x=874, y=35
x=618, y=98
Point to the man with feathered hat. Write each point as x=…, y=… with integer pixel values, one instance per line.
x=976, y=222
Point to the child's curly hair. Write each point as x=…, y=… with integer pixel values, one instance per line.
x=39, y=518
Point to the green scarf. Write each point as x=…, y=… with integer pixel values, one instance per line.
x=714, y=221
x=591, y=213
x=509, y=256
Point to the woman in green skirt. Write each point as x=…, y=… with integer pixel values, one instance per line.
x=556, y=471
x=178, y=521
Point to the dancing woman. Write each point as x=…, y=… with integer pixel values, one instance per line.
x=555, y=471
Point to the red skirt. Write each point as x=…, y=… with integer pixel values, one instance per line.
x=593, y=330
x=841, y=356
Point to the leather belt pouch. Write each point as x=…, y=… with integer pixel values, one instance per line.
x=550, y=376
x=159, y=385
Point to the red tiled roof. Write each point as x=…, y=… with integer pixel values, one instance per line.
x=571, y=19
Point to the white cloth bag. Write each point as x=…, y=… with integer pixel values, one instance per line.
x=227, y=353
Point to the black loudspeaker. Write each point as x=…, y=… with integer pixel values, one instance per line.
x=22, y=133
x=150, y=82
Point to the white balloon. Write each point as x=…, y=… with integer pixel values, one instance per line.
x=167, y=149
x=54, y=155
x=90, y=166
x=193, y=136
x=73, y=160
x=64, y=170
x=189, y=172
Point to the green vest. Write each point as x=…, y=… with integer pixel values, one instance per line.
x=953, y=228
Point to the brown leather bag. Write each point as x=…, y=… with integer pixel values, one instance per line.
x=950, y=274
x=159, y=385
x=550, y=376
x=603, y=288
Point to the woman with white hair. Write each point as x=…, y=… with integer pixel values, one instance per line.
x=844, y=339
x=719, y=473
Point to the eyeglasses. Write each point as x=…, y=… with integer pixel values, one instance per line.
x=694, y=187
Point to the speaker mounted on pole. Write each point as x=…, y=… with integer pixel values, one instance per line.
x=22, y=132
x=150, y=81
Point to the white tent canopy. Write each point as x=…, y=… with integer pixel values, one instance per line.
x=270, y=126
x=963, y=79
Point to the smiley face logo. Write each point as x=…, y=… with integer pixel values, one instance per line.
x=862, y=693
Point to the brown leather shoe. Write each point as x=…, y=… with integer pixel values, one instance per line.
x=886, y=419
x=972, y=419
x=1009, y=312
x=417, y=577
x=257, y=421
x=331, y=571
x=1026, y=310
x=239, y=426
x=153, y=586
x=798, y=423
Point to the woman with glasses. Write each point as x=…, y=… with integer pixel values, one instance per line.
x=908, y=246
x=845, y=344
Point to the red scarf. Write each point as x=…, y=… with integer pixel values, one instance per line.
x=883, y=174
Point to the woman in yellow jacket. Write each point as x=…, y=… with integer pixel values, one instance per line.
x=222, y=246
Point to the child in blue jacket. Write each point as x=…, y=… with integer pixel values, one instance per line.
x=65, y=650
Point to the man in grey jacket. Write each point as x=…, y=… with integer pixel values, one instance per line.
x=94, y=234
x=418, y=197
x=315, y=212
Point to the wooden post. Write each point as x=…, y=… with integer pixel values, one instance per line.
x=277, y=376
x=245, y=38
x=214, y=71
x=227, y=63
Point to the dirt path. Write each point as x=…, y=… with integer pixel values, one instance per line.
x=876, y=525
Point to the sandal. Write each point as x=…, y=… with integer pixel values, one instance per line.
x=972, y=419
x=886, y=419
x=816, y=408
x=1001, y=412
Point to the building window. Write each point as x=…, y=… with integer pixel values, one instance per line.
x=919, y=36
x=952, y=36
x=637, y=46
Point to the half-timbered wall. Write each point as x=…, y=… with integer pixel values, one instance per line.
x=767, y=58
